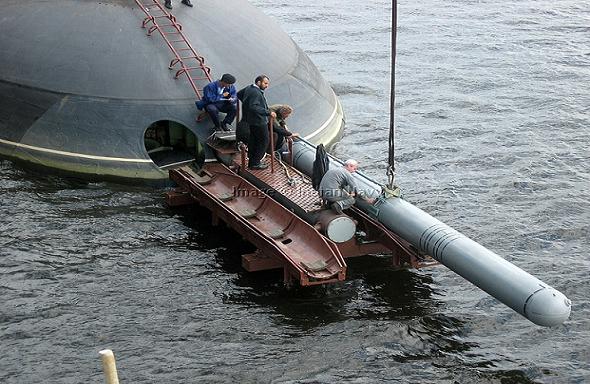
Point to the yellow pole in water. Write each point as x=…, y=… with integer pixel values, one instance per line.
x=109, y=367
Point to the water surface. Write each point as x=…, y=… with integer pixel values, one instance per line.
x=492, y=138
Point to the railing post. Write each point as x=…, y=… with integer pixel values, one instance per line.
x=272, y=143
x=290, y=149
x=109, y=367
x=243, y=156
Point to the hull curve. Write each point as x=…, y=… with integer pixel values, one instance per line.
x=79, y=92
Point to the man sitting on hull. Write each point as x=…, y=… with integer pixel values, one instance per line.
x=220, y=96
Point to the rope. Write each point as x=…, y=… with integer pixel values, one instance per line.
x=278, y=157
x=291, y=179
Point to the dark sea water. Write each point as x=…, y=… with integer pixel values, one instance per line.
x=493, y=120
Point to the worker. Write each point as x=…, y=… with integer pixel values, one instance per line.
x=280, y=129
x=220, y=96
x=338, y=188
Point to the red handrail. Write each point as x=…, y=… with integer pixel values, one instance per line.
x=271, y=121
x=154, y=13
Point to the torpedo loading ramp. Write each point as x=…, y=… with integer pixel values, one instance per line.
x=294, y=190
x=277, y=233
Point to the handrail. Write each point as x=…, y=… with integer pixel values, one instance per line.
x=271, y=121
x=148, y=9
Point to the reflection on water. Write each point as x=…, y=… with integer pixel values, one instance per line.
x=374, y=290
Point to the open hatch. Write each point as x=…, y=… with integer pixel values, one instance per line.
x=170, y=144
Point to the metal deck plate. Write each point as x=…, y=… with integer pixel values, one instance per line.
x=297, y=188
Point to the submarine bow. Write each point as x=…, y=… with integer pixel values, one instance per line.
x=81, y=83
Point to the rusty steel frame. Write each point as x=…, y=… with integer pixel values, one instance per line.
x=267, y=246
x=377, y=238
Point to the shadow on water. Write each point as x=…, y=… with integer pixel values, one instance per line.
x=25, y=178
x=374, y=290
x=390, y=293
x=465, y=372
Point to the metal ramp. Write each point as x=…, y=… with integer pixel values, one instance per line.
x=186, y=60
x=305, y=255
x=289, y=185
x=289, y=182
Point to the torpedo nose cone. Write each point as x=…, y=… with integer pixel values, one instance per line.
x=548, y=307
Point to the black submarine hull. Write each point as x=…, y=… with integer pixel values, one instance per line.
x=81, y=82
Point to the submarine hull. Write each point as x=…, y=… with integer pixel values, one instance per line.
x=81, y=82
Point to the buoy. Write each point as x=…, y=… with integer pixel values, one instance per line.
x=109, y=367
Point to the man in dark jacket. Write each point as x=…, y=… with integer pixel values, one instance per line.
x=256, y=112
x=220, y=96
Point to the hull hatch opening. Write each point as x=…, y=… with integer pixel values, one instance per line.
x=170, y=144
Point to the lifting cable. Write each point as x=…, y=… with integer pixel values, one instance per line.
x=390, y=188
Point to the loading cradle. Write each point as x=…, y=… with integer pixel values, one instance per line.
x=282, y=238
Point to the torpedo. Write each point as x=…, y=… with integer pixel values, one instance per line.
x=88, y=88
x=524, y=293
x=277, y=210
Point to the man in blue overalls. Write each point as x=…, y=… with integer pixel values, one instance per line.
x=220, y=96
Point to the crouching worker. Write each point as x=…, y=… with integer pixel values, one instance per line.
x=338, y=187
x=279, y=128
